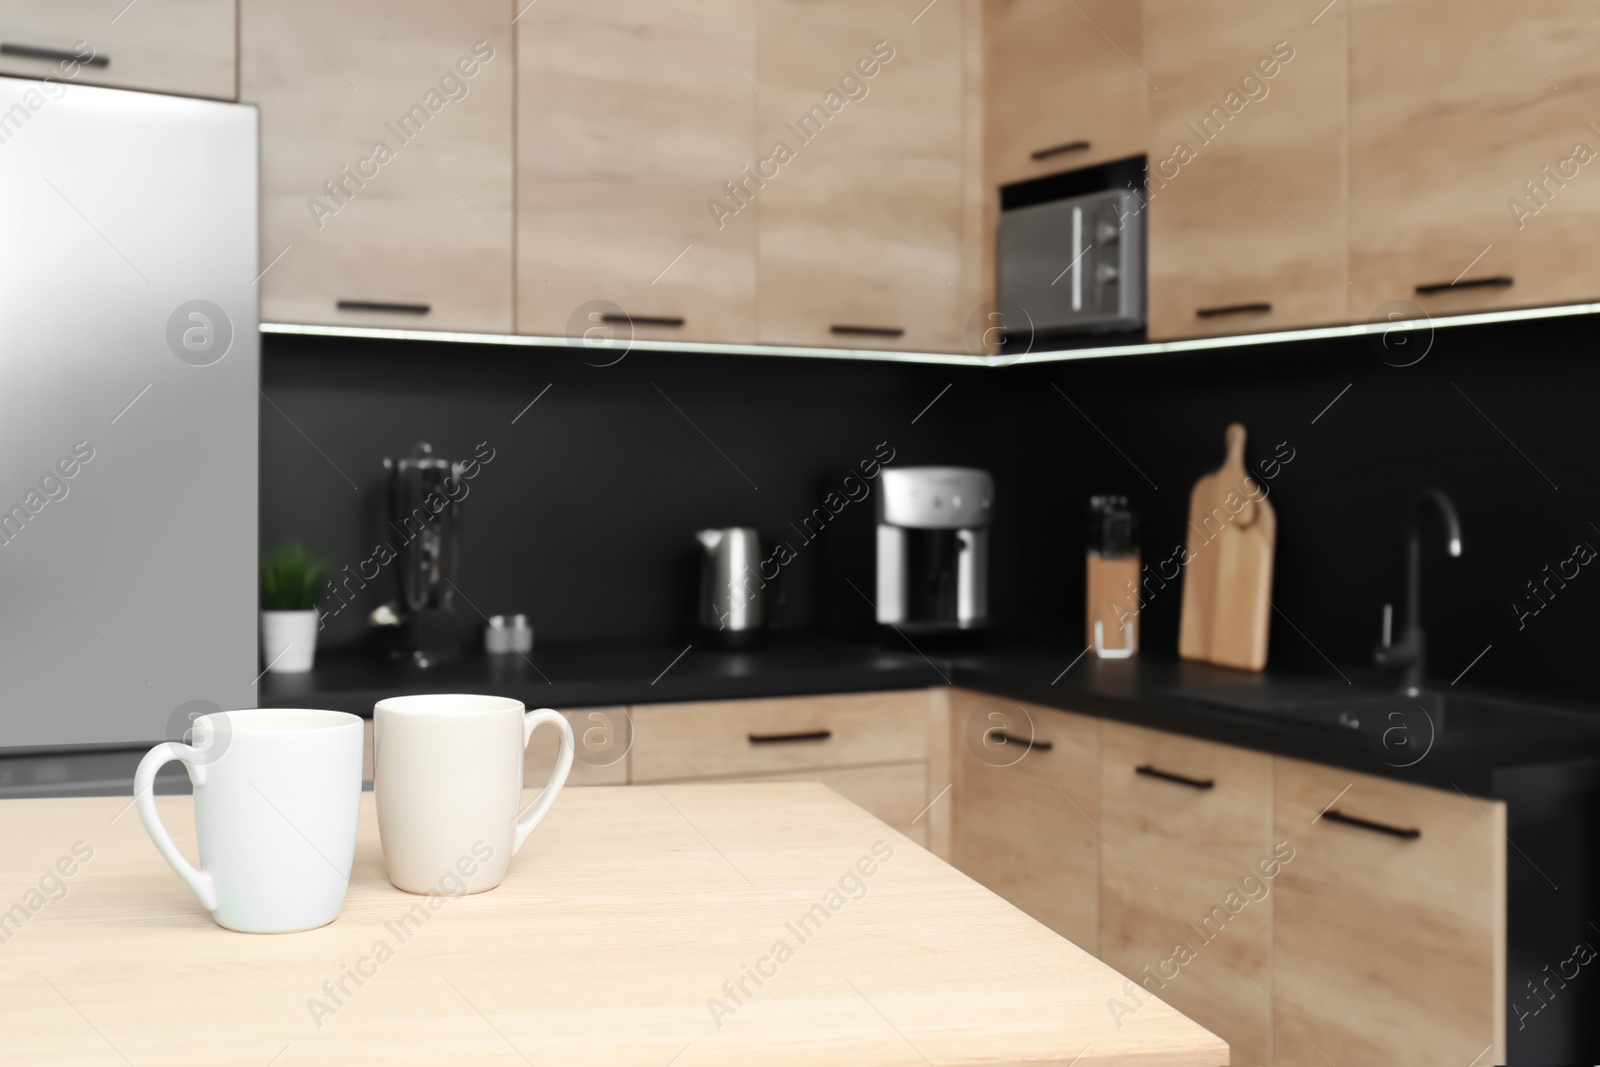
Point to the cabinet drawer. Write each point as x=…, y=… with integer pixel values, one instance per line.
x=894, y=792
x=185, y=47
x=719, y=739
x=1187, y=824
x=1025, y=813
x=1391, y=922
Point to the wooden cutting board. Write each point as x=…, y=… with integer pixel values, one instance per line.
x=1227, y=581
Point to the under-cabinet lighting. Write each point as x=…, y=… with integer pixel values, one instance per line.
x=1194, y=344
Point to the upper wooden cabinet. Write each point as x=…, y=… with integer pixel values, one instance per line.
x=1246, y=165
x=631, y=120
x=1062, y=86
x=385, y=160
x=1390, y=922
x=1027, y=784
x=1187, y=865
x=860, y=210
x=1454, y=110
x=185, y=47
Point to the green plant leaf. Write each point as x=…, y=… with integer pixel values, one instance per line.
x=290, y=577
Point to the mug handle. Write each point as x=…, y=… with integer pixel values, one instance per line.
x=558, y=777
x=144, y=799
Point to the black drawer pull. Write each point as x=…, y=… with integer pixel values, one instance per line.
x=1261, y=308
x=1060, y=150
x=1013, y=739
x=379, y=305
x=1404, y=833
x=841, y=330
x=1167, y=776
x=785, y=739
x=641, y=320
x=28, y=51
x=1499, y=281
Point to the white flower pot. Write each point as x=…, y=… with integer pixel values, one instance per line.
x=288, y=640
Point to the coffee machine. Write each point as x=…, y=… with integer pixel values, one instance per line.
x=424, y=526
x=933, y=549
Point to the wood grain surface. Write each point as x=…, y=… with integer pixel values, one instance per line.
x=617, y=926
x=1227, y=581
x=1171, y=856
x=187, y=47
x=630, y=118
x=1026, y=815
x=1388, y=950
x=431, y=226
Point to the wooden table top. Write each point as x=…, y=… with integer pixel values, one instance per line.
x=622, y=935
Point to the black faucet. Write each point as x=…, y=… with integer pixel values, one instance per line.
x=1409, y=651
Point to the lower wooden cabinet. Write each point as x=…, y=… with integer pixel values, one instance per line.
x=897, y=793
x=1390, y=922
x=1305, y=914
x=1186, y=905
x=873, y=749
x=724, y=738
x=1025, y=812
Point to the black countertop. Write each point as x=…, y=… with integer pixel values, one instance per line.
x=1145, y=690
x=593, y=675
x=1162, y=693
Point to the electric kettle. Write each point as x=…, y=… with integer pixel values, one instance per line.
x=733, y=608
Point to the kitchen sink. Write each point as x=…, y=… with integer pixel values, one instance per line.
x=1397, y=725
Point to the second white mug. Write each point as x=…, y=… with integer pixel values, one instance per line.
x=447, y=781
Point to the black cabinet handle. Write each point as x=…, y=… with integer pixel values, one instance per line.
x=28, y=51
x=1260, y=308
x=1060, y=150
x=841, y=330
x=1013, y=739
x=1402, y=832
x=1167, y=776
x=380, y=305
x=1499, y=281
x=641, y=320
x=786, y=739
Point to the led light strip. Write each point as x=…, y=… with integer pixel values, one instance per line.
x=1195, y=344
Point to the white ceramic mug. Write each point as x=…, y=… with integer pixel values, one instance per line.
x=277, y=795
x=447, y=778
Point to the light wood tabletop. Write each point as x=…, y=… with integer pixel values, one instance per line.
x=679, y=926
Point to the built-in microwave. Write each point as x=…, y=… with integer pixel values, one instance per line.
x=1075, y=264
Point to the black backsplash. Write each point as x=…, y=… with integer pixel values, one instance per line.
x=585, y=517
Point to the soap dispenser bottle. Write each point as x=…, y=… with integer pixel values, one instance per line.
x=1113, y=578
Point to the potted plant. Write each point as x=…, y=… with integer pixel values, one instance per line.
x=290, y=577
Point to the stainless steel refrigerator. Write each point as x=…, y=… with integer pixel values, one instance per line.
x=129, y=400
